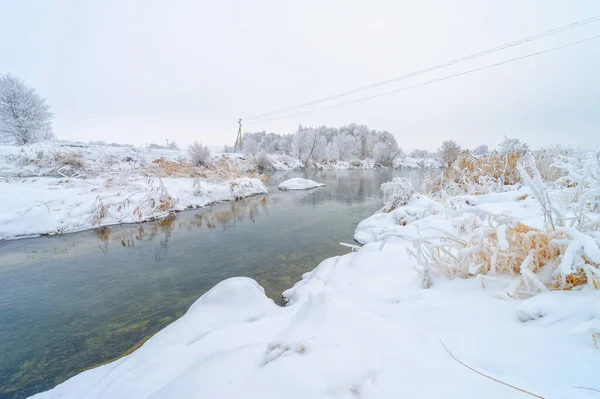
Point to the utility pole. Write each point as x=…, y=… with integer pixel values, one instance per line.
x=238, y=140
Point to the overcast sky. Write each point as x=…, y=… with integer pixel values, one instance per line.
x=145, y=71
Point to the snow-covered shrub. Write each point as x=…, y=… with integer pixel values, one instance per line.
x=546, y=160
x=198, y=154
x=24, y=116
x=509, y=146
x=156, y=202
x=396, y=193
x=263, y=162
x=582, y=179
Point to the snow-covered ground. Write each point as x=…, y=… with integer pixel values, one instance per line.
x=362, y=325
x=298, y=183
x=57, y=187
x=66, y=159
x=46, y=205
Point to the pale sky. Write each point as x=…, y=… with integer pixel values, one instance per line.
x=145, y=71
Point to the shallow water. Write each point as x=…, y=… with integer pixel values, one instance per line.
x=71, y=302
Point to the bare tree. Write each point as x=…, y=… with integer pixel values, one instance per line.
x=24, y=115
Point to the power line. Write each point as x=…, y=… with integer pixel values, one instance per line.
x=429, y=69
x=434, y=80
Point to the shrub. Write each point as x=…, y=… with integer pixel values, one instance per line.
x=263, y=162
x=198, y=154
x=396, y=193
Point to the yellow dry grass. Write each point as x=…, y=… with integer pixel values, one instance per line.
x=222, y=168
x=475, y=175
x=524, y=241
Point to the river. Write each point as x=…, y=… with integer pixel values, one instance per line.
x=74, y=301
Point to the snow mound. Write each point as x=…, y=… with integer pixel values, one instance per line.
x=298, y=183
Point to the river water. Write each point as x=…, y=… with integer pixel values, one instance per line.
x=74, y=301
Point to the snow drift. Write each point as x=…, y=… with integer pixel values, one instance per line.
x=298, y=183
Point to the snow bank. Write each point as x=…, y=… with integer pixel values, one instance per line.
x=46, y=205
x=298, y=183
x=54, y=187
x=359, y=325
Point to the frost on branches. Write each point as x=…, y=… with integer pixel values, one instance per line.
x=24, y=116
x=198, y=154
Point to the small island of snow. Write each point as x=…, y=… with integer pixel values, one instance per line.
x=298, y=183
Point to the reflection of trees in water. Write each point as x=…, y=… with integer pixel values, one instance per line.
x=222, y=215
x=237, y=211
x=352, y=186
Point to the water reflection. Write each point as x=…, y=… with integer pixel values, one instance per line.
x=73, y=301
x=158, y=233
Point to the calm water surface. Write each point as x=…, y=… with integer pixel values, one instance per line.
x=71, y=302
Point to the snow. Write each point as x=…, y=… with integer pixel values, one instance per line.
x=98, y=186
x=362, y=326
x=298, y=183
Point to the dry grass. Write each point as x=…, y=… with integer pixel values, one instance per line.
x=222, y=168
x=475, y=175
x=516, y=249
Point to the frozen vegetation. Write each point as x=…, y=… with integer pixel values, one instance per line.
x=298, y=183
x=482, y=283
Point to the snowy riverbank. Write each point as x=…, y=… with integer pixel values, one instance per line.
x=54, y=187
x=362, y=325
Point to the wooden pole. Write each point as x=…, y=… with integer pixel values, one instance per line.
x=238, y=140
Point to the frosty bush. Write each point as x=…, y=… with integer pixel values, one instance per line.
x=198, y=154
x=396, y=193
x=582, y=179
x=263, y=162
x=24, y=115
x=513, y=145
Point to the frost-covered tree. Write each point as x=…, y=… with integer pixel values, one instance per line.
x=25, y=117
x=308, y=145
x=419, y=154
x=172, y=145
x=481, y=150
x=513, y=145
x=384, y=153
x=449, y=152
x=251, y=146
x=386, y=149
x=344, y=147
x=198, y=154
